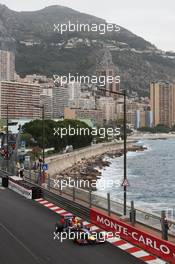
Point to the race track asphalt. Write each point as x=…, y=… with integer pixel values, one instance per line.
x=26, y=237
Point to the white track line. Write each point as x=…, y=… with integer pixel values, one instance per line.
x=44, y=202
x=60, y=211
x=54, y=208
x=39, y=199
x=140, y=254
x=48, y=205
x=113, y=239
x=125, y=246
x=156, y=261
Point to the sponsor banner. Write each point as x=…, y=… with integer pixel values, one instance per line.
x=146, y=241
x=21, y=190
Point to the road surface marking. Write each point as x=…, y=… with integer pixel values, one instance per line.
x=54, y=208
x=20, y=243
x=49, y=205
x=140, y=254
x=60, y=211
x=112, y=240
x=40, y=199
x=125, y=246
x=44, y=202
x=156, y=261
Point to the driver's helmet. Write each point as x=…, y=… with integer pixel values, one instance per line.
x=62, y=220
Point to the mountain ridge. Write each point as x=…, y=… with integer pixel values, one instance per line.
x=41, y=50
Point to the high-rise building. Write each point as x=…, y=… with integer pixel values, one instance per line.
x=95, y=115
x=7, y=66
x=148, y=118
x=64, y=96
x=107, y=105
x=83, y=103
x=143, y=118
x=162, y=96
x=60, y=100
x=74, y=90
x=46, y=99
x=21, y=99
x=106, y=67
x=140, y=119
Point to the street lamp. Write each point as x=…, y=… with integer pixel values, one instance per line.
x=7, y=134
x=125, y=181
x=8, y=149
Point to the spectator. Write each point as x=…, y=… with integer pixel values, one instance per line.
x=21, y=172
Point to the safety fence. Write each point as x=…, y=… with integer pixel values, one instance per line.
x=84, y=203
x=105, y=203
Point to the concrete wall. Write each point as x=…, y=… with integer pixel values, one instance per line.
x=58, y=163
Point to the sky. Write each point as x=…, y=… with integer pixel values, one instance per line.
x=154, y=20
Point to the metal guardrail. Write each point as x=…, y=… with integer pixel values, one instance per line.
x=75, y=208
x=89, y=199
x=142, y=216
x=146, y=218
x=67, y=204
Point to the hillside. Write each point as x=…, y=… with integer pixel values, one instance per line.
x=41, y=50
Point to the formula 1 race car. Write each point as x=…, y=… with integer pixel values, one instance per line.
x=68, y=222
x=80, y=234
x=87, y=237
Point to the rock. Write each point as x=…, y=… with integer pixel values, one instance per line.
x=88, y=169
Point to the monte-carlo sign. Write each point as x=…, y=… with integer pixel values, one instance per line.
x=146, y=241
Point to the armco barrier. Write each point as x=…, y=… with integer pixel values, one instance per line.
x=23, y=188
x=144, y=240
x=69, y=205
x=20, y=189
x=116, y=207
x=73, y=207
x=4, y=181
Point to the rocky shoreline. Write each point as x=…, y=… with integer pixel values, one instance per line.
x=89, y=169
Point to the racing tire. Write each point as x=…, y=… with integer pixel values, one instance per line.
x=59, y=228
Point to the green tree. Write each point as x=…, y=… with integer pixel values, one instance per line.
x=69, y=137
